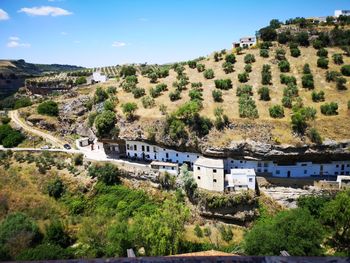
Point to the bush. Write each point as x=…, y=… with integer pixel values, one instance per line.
x=306, y=69
x=111, y=90
x=100, y=95
x=109, y=105
x=284, y=66
x=308, y=81
x=45, y=252
x=276, y=111
x=224, y=84
x=322, y=52
x=176, y=95
x=248, y=68
x=200, y=67
x=280, y=54
x=126, y=71
x=338, y=59
x=264, y=53
x=138, y=92
x=80, y=81
x=13, y=139
x=209, y=74
x=192, y=64
x=217, y=95
x=247, y=107
x=49, y=108
x=266, y=74
x=295, y=52
x=195, y=94
x=108, y=173
x=287, y=102
x=198, y=231
x=249, y=58
x=264, y=93
x=291, y=91
x=153, y=76
x=329, y=108
x=148, y=102
x=341, y=81
x=285, y=79
x=226, y=233
x=245, y=89
x=322, y=63
x=230, y=58
x=265, y=45
x=243, y=77
x=5, y=120
x=78, y=159
x=317, y=96
x=22, y=102
x=105, y=123
x=227, y=67
x=129, y=109
x=345, y=70
x=314, y=136
x=332, y=76
x=55, y=188
x=303, y=39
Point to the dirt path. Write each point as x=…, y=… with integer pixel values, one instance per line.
x=48, y=137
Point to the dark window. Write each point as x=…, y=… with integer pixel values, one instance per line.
x=135, y=154
x=304, y=164
x=259, y=164
x=214, y=180
x=214, y=170
x=199, y=177
x=163, y=167
x=266, y=165
x=147, y=148
x=167, y=155
x=337, y=165
x=135, y=147
x=278, y=172
x=172, y=168
x=305, y=171
x=177, y=155
x=259, y=170
x=198, y=168
x=188, y=156
x=240, y=161
x=231, y=161
x=250, y=180
x=265, y=170
x=336, y=173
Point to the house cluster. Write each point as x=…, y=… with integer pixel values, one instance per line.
x=217, y=174
x=245, y=42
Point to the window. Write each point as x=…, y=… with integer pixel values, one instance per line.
x=336, y=173
x=143, y=148
x=127, y=147
x=304, y=164
x=188, y=156
x=214, y=170
x=231, y=161
x=259, y=164
x=305, y=171
x=167, y=155
x=250, y=180
x=147, y=148
x=278, y=171
x=163, y=167
x=266, y=164
x=198, y=177
x=259, y=170
x=240, y=161
x=135, y=147
x=214, y=180
x=198, y=168
x=172, y=168
x=135, y=154
x=337, y=165
x=155, y=149
x=177, y=155
x=265, y=170
x=348, y=165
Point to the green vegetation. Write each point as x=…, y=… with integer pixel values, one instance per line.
x=100, y=95
x=148, y=102
x=10, y=137
x=249, y=58
x=200, y=67
x=80, y=81
x=105, y=123
x=314, y=136
x=129, y=109
x=224, y=84
x=49, y=108
x=247, y=107
x=248, y=68
x=284, y=66
x=264, y=93
x=317, y=96
x=22, y=102
x=227, y=67
x=230, y=58
x=308, y=81
x=338, y=59
x=209, y=74
x=266, y=75
x=345, y=70
x=276, y=111
x=243, y=77
x=217, y=95
x=322, y=63
x=329, y=108
x=264, y=53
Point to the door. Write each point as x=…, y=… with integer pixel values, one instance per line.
x=288, y=174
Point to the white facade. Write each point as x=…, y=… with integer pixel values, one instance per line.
x=344, y=181
x=240, y=179
x=338, y=13
x=98, y=77
x=209, y=174
x=171, y=168
x=245, y=42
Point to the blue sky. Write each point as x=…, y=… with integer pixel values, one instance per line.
x=108, y=32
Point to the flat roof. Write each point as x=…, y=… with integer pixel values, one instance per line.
x=245, y=171
x=164, y=164
x=209, y=162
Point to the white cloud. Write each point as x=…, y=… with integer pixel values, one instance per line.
x=118, y=44
x=15, y=42
x=45, y=11
x=4, y=15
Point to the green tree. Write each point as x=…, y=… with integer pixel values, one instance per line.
x=100, y=95
x=224, y=84
x=338, y=59
x=56, y=234
x=249, y=58
x=227, y=67
x=284, y=66
x=303, y=39
x=55, y=188
x=119, y=239
x=209, y=74
x=243, y=77
x=45, y=252
x=217, y=95
x=329, y=108
x=295, y=52
x=306, y=69
x=295, y=231
x=264, y=53
x=109, y=105
x=198, y=231
x=345, y=70
x=192, y=64
x=129, y=109
x=127, y=71
x=307, y=81
x=317, y=96
x=322, y=52
x=108, y=173
x=22, y=102
x=12, y=139
x=322, y=63
x=200, y=67
x=314, y=136
x=105, y=123
x=276, y=111
x=230, y=58
x=80, y=80
x=264, y=93
x=48, y=108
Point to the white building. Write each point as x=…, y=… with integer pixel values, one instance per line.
x=172, y=168
x=344, y=181
x=209, y=174
x=240, y=179
x=245, y=42
x=338, y=13
x=98, y=77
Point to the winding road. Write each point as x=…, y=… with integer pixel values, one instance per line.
x=48, y=137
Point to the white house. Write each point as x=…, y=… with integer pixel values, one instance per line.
x=172, y=168
x=245, y=42
x=240, y=179
x=209, y=174
x=338, y=13
x=344, y=181
x=98, y=77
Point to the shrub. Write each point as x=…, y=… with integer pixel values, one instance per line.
x=249, y=58
x=314, y=136
x=49, y=108
x=227, y=67
x=129, y=109
x=198, y=231
x=293, y=45
x=126, y=71
x=264, y=93
x=338, y=59
x=295, y=52
x=78, y=159
x=283, y=38
x=284, y=66
x=105, y=122
x=209, y=74
x=322, y=63
x=332, y=75
x=5, y=120
x=322, y=52
x=341, y=81
x=217, y=95
x=245, y=89
x=243, y=77
x=177, y=130
x=56, y=234
x=317, y=96
x=276, y=111
x=230, y=58
x=248, y=68
x=345, y=70
x=247, y=107
x=217, y=56
x=226, y=233
x=80, y=81
x=107, y=173
x=303, y=39
x=266, y=74
x=55, y=188
x=280, y=54
x=176, y=95
x=291, y=91
x=153, y=76
x=195, y=94
x=13, y=139
x=148, y=102
x=285, y=79
x=224, y=84
x=308, y=81
x=200, y=67
x=138, y=92
x=329, y=108
x=109, y=105
x=100, y=95
x=111, y=90
x=264, y=53
x=197, y=85
x=192, y=64
x=22, y=102
x=287, y=102
x=306, y=69
x=265, y=45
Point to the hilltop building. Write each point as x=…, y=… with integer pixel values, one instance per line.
x=245, y=42
x=97, y=77
x=338, y=13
